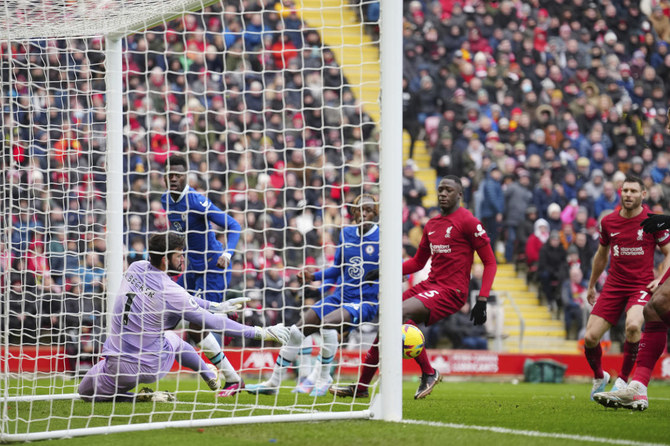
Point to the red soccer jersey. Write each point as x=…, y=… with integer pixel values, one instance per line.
x=451, y=241
x=631, y=249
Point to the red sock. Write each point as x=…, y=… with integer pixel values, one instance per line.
x=422, y=359
x=652, y=346
x=424, y=363
x=370, y=365
x=594, y=357
x=629, y=356
x=666, y=318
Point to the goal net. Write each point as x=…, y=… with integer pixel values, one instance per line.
x=275, y=106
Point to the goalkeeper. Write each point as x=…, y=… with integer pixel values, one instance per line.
x=208, y=270
x=140, y=348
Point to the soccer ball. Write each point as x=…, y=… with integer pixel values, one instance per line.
x=412, y=341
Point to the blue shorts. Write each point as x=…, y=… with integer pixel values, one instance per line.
x=210, y=286
x=360, y=311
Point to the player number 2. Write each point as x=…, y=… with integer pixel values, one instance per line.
x=643, y=297
x=126, y=309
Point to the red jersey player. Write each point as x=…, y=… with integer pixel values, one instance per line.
x=629, y=283
x=654, y=336
x=450, y=241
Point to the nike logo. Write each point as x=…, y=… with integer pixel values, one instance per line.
x=431, y=233
x=659, y=225
x=612, y=234
x=205, y=204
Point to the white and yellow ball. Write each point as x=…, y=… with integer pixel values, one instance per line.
x=412, y=341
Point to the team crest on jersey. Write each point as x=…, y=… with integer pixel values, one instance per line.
x=448, y=233
x=615, y=250
x=480, y=231
x=177, y=226
x=369, y=249
x=640, y=234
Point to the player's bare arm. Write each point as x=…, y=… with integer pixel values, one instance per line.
x=599, y=263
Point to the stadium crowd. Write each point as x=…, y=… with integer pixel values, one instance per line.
x=542, y=107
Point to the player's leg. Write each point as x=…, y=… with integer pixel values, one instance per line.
x=111, y=379
x=596, y=327
x=633, y=330
x=414, y=311
x=308, y=324
x=347, y=314
x=306, y=361
x=188, y=357
x=652, y=345
x=210, y=286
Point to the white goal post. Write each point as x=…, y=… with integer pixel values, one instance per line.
x=83, y=145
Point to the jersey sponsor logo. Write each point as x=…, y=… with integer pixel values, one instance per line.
x=480, y=231
x=448, y=233
x=612, y=234
x=440, y=249
x=356, y=270
x=622, y=251
x=640, y=234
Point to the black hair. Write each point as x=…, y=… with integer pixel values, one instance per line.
x=176, y=159
x=163, y=244
x=455, y=179
x=634, y=179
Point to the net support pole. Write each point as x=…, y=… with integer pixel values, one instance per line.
x=390, y=403
x=114, y=153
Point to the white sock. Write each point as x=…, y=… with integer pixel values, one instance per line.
x=213, y=351
x=305, y=358
x=328, y=352
x=287, y=355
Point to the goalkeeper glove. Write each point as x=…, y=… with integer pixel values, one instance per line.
x=478, y=313
x=372, y=275
x=276, y=333
x=655, y=222
x=228, y=306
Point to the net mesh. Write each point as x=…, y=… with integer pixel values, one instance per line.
x=274, y=104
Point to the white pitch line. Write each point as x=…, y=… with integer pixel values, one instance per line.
x=504, y=430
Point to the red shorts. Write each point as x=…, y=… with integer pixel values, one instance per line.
x=440, y=302
x=612, y=302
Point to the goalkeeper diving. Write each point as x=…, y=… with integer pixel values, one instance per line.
x=140, y=348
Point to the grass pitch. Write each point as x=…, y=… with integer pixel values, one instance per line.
x=472, y=412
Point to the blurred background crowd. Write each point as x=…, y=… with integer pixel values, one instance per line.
x=541, y=107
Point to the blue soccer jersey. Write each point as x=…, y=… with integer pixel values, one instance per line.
x=192, y=214
x=355, y=256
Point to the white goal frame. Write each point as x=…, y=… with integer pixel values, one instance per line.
x=114, y=19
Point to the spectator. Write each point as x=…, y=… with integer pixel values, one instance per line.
x=608, y=200
x=573, y=295
x=413, y=190
x=518, y=197
x=492, y=204
x=535, y=242
x=552, y=270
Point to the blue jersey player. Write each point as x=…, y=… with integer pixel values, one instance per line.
x=353, y=302
x=208, y=261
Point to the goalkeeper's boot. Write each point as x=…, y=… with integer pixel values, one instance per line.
x=264, y=388
x=304, y=386
x=352, y=391
x=321, y=387
x=427, y=384
x=633, y=397
x=619, y=384
x=599, y=384
x=231, y=389
x=214, y=383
